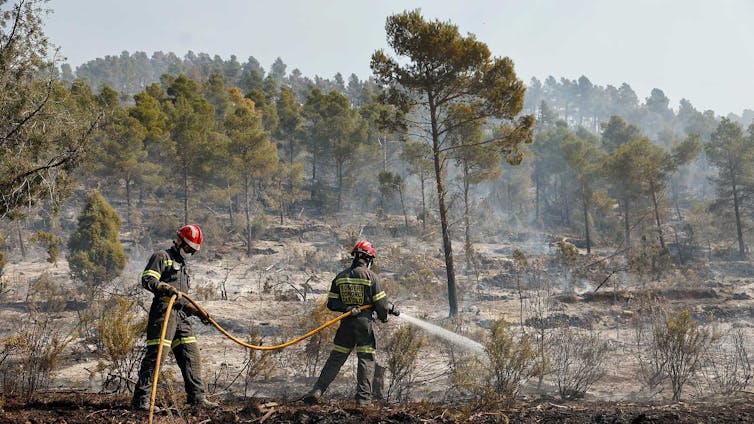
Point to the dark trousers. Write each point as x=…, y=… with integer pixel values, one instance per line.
x=181, y=339
x=353, y=334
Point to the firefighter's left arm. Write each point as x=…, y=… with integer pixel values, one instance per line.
x=379, y=298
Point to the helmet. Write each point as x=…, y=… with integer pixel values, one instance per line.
x=191, y=235
x=365, y=248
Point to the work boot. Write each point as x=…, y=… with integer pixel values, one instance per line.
x=143, y=405
x=312, y=397
x=203, y=402
x=363, y=402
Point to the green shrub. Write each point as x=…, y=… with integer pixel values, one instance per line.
x=96, y=254
x=317, y=347
x=50, y=242
x=402, y=350
x=120, y=329
x=511, y=360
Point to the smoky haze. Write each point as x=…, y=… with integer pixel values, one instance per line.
x=689, y=49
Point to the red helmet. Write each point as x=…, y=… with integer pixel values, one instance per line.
x=364, y=247
x=191, y=235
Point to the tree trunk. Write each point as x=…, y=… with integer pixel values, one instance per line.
x=290, y=149
x=564, y=187
x=185, y=195
x=21, y=243
x=384, y=153
x=466, y=220
x=282, y=200
x=230, y=207
x=586, y=222
x=446, y=241
x=676, y=198
x=247, y=210
x=128, y=203
x=424, y=202
x=626, y=226
x=313, y=189
x=536, y=199
x=339, y=168
x=739, y=231
x=403, y=206
x=657, y=216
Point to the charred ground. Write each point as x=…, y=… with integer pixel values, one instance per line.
x=75, y=408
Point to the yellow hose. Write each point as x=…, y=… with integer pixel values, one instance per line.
x=276, y=347
x=228, y=335
x=159, y=357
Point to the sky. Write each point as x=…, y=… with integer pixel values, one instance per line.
x=700, y=50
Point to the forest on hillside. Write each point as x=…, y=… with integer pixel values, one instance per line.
x=266, y=143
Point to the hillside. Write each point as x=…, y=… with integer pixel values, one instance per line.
x=277, y=293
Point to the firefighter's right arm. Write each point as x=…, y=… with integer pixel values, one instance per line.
x=334, y=303
x=150, y=278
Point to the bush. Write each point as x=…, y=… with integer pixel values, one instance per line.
x=579, y=360
x=511, y=360
x=317, y=347
x=32, y=355
x=672, y=351
x=51, y=243
x=402, y=351
x=120, y=331
x=96, y=254
x=256, y=362
x=727, y=367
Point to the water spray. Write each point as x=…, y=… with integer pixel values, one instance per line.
x=436, y=330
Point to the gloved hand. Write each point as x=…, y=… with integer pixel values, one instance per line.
x=192, y=310
x=355, y=311
x=165, y=289
x=393, y=310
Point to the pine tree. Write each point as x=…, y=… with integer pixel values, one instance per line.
x=733, y=155
x=439, y=68
x=585, y=160
x=255, y=157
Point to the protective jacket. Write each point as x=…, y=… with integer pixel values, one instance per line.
x=354, y=286
x=357, y=286
x=168, y=266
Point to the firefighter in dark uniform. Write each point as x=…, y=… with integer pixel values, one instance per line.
x=166, y=274
x=353, y=287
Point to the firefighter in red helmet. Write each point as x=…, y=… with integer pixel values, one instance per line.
x=353, y=287
x=166, y=274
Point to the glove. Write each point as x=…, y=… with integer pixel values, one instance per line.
x=393, y=310
x=192, y=310
x=355, y=311
x=164, y=289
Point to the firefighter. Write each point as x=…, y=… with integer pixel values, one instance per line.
x=355, y=286
x=166, y=274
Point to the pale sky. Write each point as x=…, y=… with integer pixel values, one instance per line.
x=694, y=49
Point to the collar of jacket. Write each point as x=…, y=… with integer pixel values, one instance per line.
x=359, y=262
x=176, y=255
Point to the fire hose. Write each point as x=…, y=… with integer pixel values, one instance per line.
x=228, y=335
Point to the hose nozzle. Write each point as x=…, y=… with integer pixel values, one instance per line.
x=393, y=310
